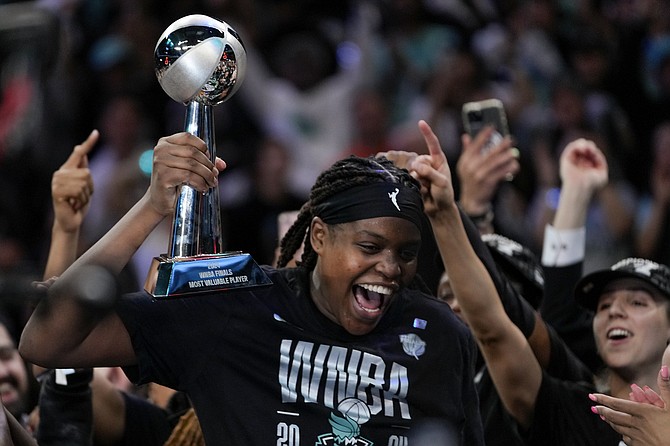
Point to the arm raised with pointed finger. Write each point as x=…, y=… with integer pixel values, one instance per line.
x=514, y=368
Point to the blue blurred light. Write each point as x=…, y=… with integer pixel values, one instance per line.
x=348, y=55
x=145, y=161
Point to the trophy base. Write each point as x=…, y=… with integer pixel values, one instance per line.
x=184, y=276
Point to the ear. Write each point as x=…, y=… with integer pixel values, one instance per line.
x=318, y=233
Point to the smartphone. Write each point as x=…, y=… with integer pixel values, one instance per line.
x=478, y=114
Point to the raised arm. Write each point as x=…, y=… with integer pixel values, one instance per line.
x=68, y=328
x=66, y=417
x=583, y=171
x=512, y=364
x=71, y=190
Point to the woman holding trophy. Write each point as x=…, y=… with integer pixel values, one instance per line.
x=346, y=346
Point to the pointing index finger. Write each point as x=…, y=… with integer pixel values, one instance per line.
x=78, y=156
x=433, y=144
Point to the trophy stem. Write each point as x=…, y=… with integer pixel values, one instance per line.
x=196, y=228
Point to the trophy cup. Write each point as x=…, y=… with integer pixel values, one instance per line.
x=200, y=62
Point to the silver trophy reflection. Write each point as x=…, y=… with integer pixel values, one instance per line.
x=200, y=62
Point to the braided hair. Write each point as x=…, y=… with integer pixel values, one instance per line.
x=187, y=432
x=342, y=175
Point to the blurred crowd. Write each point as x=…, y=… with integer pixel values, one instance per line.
x=327, y=79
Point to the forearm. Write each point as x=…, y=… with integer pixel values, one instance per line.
x=572, y=208
x=467, y=275
x=519, y=311
x=62, y=251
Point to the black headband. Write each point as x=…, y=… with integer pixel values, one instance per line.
x=382, y=199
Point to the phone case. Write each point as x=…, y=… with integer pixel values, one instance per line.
x=478, y=114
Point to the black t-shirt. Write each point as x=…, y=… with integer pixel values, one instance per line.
x=563, y=417
x=500, y=429
x=264, y=366
x=146, y=424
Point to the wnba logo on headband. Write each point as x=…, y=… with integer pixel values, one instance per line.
x=370, y=201
x=392, y=196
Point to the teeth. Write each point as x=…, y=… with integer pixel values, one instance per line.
x=618, y=333
x=378, y=289
x=370, y=310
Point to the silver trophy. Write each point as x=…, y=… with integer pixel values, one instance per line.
x=200, y=62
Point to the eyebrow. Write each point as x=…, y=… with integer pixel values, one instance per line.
x=376, y=235
x=652, y=292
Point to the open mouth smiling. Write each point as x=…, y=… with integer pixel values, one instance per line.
x=618, y=334
x=371, y=298
x=8, y=393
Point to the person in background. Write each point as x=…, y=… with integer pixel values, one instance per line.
x=631, y=327
x=15, y=379
x=371, y=124
x=299, y=92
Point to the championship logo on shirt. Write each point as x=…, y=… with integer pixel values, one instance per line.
x=346, y=429
x=413, y=345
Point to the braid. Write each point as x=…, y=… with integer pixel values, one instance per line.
x=295, y=236
x=187, y=432
x=342, y=175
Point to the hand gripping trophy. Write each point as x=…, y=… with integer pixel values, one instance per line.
x=200, y=62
